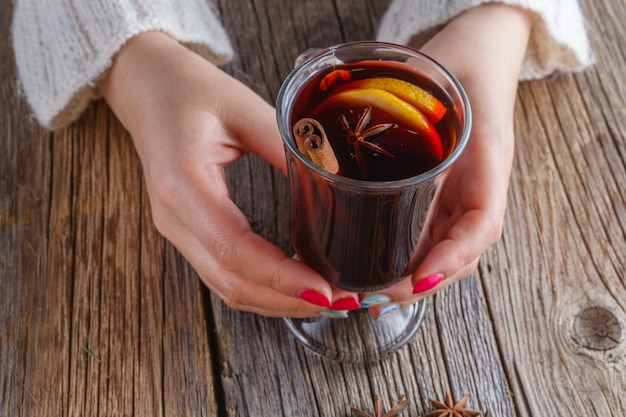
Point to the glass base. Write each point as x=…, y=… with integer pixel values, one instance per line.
x=358, y=338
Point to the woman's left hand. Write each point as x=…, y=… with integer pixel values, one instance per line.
x=484, y=47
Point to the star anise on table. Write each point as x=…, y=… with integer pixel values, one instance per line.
x=450, y=409
x=399, y=407
x=356, y=137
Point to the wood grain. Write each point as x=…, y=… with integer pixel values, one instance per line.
x=100, y=316
x=563, y=250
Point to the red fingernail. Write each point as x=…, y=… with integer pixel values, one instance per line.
x=314, y=297
x=427, y=283
x=348, y=303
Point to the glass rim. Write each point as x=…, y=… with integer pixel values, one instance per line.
x=289, y=141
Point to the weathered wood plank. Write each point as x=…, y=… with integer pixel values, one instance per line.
x=564, y=248
x=34, y=313
x=99, y=316
x=539, y=331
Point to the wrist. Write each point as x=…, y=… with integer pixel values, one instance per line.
x=484, y=48
x=491, y=35
x=137, y=72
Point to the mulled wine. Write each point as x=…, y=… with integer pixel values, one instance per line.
x=382, y=121
x=366, y=140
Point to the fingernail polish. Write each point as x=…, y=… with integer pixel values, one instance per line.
x=335, y=314
x=348, y=303
x=374, y=299
x=427, y=283
x=390, y=310
x=314, y=297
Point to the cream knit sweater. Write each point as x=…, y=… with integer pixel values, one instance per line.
x=63, y=46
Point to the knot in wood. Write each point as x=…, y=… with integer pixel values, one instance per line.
x=597, y=328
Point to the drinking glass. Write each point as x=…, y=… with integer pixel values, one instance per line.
x=364, y=234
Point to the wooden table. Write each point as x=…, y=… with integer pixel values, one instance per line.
x=100, y=316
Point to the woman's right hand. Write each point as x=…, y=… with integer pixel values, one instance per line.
x=189, y=120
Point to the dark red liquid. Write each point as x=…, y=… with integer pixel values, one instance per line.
x=365, y=240
x=409, y=149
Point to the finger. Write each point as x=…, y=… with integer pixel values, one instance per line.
x=248, y=254
x=461, y=246
x=240, y=294
x=264, y=139
x=259, y=133
x=227, y=238
x=237, y=291
x=403, y=293
x=344, y=300
x=397, y=295
x=464, y=272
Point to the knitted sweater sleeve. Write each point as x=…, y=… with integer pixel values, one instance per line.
x=558, y=39
x=62, y=46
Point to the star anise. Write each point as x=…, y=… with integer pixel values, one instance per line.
x=402, y=403
x=450, y=409
x=356, y=137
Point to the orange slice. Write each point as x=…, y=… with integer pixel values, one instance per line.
x=420, y=98
x=332, y=77
x=398, y=109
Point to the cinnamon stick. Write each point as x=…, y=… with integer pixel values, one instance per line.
x=313, y=143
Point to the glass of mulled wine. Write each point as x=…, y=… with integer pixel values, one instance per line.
x=369, y=130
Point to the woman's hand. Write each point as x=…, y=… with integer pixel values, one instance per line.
x=484, y=47
x=189, y=120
